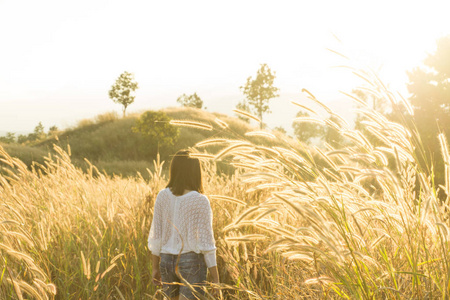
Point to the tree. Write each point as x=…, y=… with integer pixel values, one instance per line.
x=9, y=138
x=52, y=131
x=429, y=86
x=155, y=125
x=430, y=89
x=38, y=133
x=22, y=139
x=243, y=105
x=190, y=101
x=260, y=90
x=122, y=91
x=280, y=129
x=305, y=131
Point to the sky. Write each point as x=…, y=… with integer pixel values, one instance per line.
x=58, y=59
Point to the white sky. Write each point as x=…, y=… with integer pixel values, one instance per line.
x=58, y=59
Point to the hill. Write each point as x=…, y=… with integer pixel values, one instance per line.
x=110, y=143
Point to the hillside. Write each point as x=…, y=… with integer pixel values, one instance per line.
x=111, y=145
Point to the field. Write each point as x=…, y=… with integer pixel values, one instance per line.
x=359, y=222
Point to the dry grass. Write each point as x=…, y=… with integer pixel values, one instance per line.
x=84, y=233
x=361, y=222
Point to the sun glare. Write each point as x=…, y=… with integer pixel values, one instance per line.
x=60, y=54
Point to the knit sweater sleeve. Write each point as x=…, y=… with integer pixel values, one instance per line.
x=155, y=235
x=206, y=242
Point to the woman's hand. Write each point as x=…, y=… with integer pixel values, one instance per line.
x=156, y=275
x=214, y=273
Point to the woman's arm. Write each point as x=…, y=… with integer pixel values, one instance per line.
x=214, y=273
x=155, y=235
x=156, y=274
x=206, y=238
x=154, y=240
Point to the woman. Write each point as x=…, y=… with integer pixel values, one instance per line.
x=181, y=236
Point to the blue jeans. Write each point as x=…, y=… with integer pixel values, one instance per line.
x=191, y=267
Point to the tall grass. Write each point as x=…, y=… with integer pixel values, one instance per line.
x=85, y=234
x=358, y=222
x=363, y=221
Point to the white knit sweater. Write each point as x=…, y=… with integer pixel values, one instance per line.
x=182, y=224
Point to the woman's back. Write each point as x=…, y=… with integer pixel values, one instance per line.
x=181, y=236
x=181, y=224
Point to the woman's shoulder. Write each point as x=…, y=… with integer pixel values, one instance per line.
x=195, y=194
x=199, y=198
x=164, y=193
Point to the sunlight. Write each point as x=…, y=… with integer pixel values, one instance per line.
x=237, y=150
x=66, y=52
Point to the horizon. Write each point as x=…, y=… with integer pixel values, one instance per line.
x=279, y=105
x=64, y=58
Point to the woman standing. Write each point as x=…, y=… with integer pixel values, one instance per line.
x=181, y=236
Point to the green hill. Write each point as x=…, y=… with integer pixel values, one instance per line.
x=115, y=140
x=111, y=145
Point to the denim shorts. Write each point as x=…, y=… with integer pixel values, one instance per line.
x=191, y=267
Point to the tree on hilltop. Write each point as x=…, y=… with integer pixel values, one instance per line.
x=260, y=90
x=122, y=91
x=190, y=100
x=155, y=125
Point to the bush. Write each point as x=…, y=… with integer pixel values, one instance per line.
x=26, y=154
x=107, y=117
x=85, y=123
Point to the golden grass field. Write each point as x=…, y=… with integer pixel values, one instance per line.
x=359, y=222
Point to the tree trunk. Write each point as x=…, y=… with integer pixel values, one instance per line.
x=260, y=112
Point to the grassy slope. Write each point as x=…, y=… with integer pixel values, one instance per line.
x=115, y=140
x=113, y=147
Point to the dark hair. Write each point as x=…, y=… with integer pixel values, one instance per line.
x=185, y=173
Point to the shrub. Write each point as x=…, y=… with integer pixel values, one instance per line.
x=106, y=117
x=85, y=123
